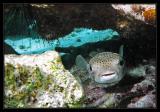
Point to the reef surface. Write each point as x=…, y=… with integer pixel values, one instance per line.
x=33, y=81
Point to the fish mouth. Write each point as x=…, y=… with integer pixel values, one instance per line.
x=109, y=77
x=108, y=74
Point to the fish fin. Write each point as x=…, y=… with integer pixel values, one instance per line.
x=121, y=56
x=121, y=52
x=81, y=63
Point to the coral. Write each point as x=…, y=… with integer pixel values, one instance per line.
x=36, y=44
x=143, y=12
x=22, y=47
x=150, y=15
x=137, y=8
x=40, y=81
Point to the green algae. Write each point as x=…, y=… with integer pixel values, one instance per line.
x=77, y=104
x=23, y=72
x=13, y=103
x=10, y=77
x=25, y=84
x=20, y=96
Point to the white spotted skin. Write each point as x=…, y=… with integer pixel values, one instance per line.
x=105, y=68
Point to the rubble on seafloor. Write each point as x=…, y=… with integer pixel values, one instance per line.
x=147, y=101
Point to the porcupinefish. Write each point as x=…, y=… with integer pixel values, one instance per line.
x=104, y=67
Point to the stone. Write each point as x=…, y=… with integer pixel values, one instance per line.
x=40, y=81
x=147, y=101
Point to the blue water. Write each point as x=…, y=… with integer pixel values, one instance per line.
x=78, y=37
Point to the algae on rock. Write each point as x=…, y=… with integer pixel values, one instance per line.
x=40, y=81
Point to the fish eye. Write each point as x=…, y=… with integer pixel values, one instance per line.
x=121, y=62
x=90, y=68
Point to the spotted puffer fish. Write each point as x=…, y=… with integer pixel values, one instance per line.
x=105, y=67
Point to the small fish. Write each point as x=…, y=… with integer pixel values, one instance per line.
x=105, y=67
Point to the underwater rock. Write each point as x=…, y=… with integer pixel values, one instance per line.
x=65, y=59
x=147, y=101
x=40, y=81
x=143, y=12
x=139, y=71
x=149, y=81
x=8, y=49
x=93, y=95
x=144, y=86
x=111, y=101
x=145, y=89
